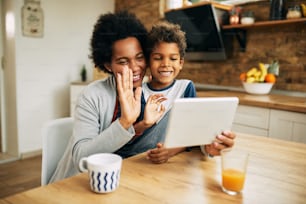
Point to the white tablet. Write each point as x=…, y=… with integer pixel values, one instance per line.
x=197, y=121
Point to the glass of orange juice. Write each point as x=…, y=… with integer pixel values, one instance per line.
x=234, y=165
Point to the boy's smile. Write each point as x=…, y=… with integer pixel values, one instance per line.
x=165, y=64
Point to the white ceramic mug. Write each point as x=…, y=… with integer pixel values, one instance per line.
x=103, y=171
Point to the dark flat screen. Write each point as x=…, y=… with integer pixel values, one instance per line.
x=204, y=39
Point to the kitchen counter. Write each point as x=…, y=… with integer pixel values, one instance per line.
x=273, y=101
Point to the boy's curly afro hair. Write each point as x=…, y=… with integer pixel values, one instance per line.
x=165, y=31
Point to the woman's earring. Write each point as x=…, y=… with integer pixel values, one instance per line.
x=108, y=68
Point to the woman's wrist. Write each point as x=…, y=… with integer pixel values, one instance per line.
x=125, y=124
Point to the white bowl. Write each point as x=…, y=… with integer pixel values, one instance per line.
x=247, y=20
x=257, y=88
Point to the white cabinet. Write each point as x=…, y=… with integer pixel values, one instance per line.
x=288, y=126
x=75, y=90
x=273, y=123
x=252, y=120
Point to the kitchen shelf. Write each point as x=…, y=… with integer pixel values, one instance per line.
x=201, y=3
x=240, y=30
x=265, y=23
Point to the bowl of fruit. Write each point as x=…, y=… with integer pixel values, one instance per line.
x=260, y=80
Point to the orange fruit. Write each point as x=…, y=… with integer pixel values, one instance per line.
x=242, y=76
x=270, y=78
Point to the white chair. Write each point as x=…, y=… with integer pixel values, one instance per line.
x=55, y=137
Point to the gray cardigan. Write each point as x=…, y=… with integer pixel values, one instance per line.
x=94, y=132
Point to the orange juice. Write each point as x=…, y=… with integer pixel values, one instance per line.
x=233, y=179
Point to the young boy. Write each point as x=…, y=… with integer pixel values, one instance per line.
x=166, y=45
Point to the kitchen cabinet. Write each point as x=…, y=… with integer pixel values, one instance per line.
x=252, y=120
x=273, y=123
x=288, y=125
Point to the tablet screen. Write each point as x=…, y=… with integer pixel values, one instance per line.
x=197, y=121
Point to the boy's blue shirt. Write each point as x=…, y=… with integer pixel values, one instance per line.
x=155, y=134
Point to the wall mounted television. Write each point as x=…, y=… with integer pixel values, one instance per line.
x=205, y=41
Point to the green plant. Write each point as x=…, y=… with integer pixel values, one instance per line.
x=84, y=73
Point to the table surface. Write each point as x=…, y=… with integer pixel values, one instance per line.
x=276, y=174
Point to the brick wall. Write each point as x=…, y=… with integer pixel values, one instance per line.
x=286, y=43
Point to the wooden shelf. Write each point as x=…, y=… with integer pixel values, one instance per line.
x=201, y=3
x=240, y=30
x=265, y=23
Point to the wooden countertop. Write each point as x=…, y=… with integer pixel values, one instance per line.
x=280, y=102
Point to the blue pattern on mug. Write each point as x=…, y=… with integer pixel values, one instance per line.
x=109, y=181
x=112, y=179
x=99, y=181
x=105, y=181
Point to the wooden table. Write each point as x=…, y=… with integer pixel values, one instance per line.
x=276, y=174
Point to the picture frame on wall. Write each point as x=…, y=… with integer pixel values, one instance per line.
x=32, y=19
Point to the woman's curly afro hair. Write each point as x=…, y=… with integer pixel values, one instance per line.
x=110, y=28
